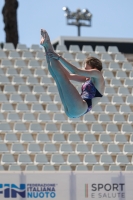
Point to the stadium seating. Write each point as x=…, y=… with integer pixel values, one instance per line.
x=36, y=134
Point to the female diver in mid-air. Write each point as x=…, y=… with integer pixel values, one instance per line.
x=75, y=105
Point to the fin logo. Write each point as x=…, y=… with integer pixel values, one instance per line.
x=11, y=190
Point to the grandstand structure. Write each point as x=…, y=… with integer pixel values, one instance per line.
x=35, y=133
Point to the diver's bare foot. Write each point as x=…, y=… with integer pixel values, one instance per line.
x=45, y=41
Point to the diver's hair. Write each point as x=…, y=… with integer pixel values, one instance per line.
x=94, y=63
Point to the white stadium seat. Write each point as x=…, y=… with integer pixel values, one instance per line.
x=39, y=73
x=6, y=63
x=129, y=168
x=8, y=47
x=7, y=107
x=90, y=159
x=5, y=127
x=100, y=49
x=106, y=57
x=67, y=128
x=31, y=168
x=50, y=149
x=89, y=139
x=19, y=127
x=109, y=91
x=57, y=159
x=117, y=100
x=14, y=168
x=113, y=149
x=25, y=72
x=112, y=128
x=48, y=168
x=24, y=89
x=17, y=148
x=128, y=83
x=73, y=160
x=81, y=149
x=114, y=168
x=44, y=64
x=113, y=50
x=42, y=138
x=24, y=159
x=120, y=58
x=2, y=55
x=11, y=72
x=13, y=55
x=15, y=98
x=128, y=149
x=81, y=128
x=61, y=49
x=33, y=64
x=120, y=139
x=4, y=80
x=115, y=83
x=22, y=107
x=11, y=138
x=44, y=117
x=33, y=148
x=106, y=160
x=121, y=75
x=130, y=118
x=89, y=118
x=118, y=119
x=2, y=118
x=97, y=128
x=108, y=74
x=125, y=109
x=13, y=117
x=37, y=108
x=86, y=49
x=32, y=81
x=80, y=57
x=40, y=56
x=65, y=168
x=21, y=48
x=126, y=66
x=97, y=149
x=35, y=128
x=38, y=89
x=122, y=160
x=73, y=138
x=7, y=159
x=93, y=54
x=113, y=66
x=66, y=149
x=104, y=118
x=50, y=127
x=26, y=138
x=74, y=49
x=3, y=98
x=35, y=47
x=105, y=139
x=26, y=55
x=81, y=168
x=41, y=159
x=19, y=64
x=17, y=81
x=68, y=56
x=98, y=168
x=58, y=138
x=3, y=148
